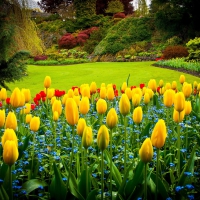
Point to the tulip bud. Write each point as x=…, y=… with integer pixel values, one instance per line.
x=3, y=94
x=161, y=83
x=150, y=91
x=124, y=86
x=146, y=151
x=124, y=105
x=57, y=106
x=110, y=94
x=103, y=137
x=146, y=98
x=111, y=119
x=27, y=109
x=103, y=92
x=64, y=99
x=188, y=107
x=84, y=105
x=93, y=88
x=77, y=99
x=87, y=137
x=9, y=134
x=76, y=92
x=11, y=121
x=168, y=86
x=35, y=124
x=101, y=106
x=137, y=115
x=70, y=93
x=28, y=118
x=53, y=99
x=152, y=85
x=50, y=93
x=174, y=85
x=10, y=152
x=195, y=84
x=136, y=100
x=55, y=116
x=71, y=112
x=86, y=91
x=2, y=118
x=22, y=99
x=128, y=92
x=187, y=89
x=179, y=101
x=47, y=81
x=178, y=116
x=182, y=79
x=15, y=98
x=80, y=126
x=159, y=134
x=168, y=97
x=27, y=95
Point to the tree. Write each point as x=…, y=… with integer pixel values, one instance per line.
x=142, y=8
x=115, y=6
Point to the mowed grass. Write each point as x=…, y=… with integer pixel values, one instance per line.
x=64, y=77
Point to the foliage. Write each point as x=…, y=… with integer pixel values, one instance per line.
x=115, y=6
x=175, y=52
x=40, y=57
x=123, y=34
x=194, y=49
x=119, y=15
x=142, y=9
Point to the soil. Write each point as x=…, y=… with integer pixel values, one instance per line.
x=193, y=73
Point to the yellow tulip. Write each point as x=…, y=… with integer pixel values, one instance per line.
x=27, y=109
x=11, y=121
x=93, y=88
x=87, y=137
x=159, y=134
x=47, y=82
x=150, y=91
x=111, y=118
x=146, y=98
x=22, y=101
x=76, y=92
x=2, y=118
x=86, y=91
x=28, y=118
x=55, y=115
x=168, y=86
x=35, y=124
x=84, y=105
x=188, y=107
x=53, y=99
x=3, y=94
x=80, y=126
x=136, y=100
x=103, y=137
x=57, y=106
x=137, y=91
x=15, y=98
x=110, y=94
x=70, y=93
x=103, y=92
x=178, y=116
x=195, y=84
x=174, y=85
x=198, y=87
x=128, y=92
x=182, y=79
x=50, y=93
x=27, y=94
x=146, y=151
x=77, y=99
x=71, y=112
x=187, y=89
x=179, y=101
x=137, y=115
x=10, y=152
x=101, y=106
x=152, y=85
x=124, y=86
x=168, y=97
x=103, y=85
x=64, y=99
x=9, y=134
x=124, y=105
x=161, y=83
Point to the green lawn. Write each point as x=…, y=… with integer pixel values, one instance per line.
x=64, y=77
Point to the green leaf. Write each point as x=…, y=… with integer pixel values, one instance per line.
x=155, y=101
x=115, y=172
x=130, y=186
x=145, y=131
x=3, y=170
x=58, y=189
x=3, y=193
x=33, y=184
x=92, y=195
x=161, y=187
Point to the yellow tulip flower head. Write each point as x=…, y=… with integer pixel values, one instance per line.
x=146, y=151
x=9, y=134
x=71, y=112
x=28, y=118
x=53, y=99
x=93, y=88
x=161, y=83
x=111, y=118
x=27, y=94
x=86, y=91
x=179, y=101
x=15, y=98
x=11, y=121
x=55, y=115
x=136, y=100
x=2, y=118
x=50, y=93
x=103, y=137
x=168, y=97
x=70, y=93
x=110, y=94
x=124, y=86
x=137, y=115
x=168, y=86
x=159, y=134
x=146, y=98
x=174, y=85
x=35, y=124
x=47, y=81
x=81, y=126
x=188, y=107
x=3, y=94
x=124, y=105
x=103, y=92
x=178, y=116
x=10, y=152
x=27, y=109
x=128, y=92
x=152, y=85
x=195, y=84
x=187, y=89
x=57, y=106
x=87, y=137
x=84, y=105
x=77, y=99
x=101, y=106
x=182, y=79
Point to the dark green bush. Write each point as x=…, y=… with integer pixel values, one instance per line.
x=175, y=52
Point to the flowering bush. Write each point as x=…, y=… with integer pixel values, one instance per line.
x=92, y=143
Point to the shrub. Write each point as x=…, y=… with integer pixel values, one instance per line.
x=119, y=15
x=40, y=57
x=194, y=49
x=67, y=41
x=175, y=52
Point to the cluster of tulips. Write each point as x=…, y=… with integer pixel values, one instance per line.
x=97, y=116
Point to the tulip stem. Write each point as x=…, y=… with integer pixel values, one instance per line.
x=111, y=163
x=125, y=145
x=10, y=183
x=157, y=171
x=86, y=173
x=178, y=146
x=82, y=157
x=102, y=175
x=145, y=181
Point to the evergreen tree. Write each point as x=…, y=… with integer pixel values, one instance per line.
x=115, y=6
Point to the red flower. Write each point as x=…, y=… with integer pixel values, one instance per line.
x=116, y=93
x=33, y=106
x=132, y=87
x=8, y=100
x=158, y=89
x=122, y=91
x=42, y=93
x=36, y=101
x=114, y=87
x=73, y=87
x=98, y=90
x=142, y=85
x=1, y=104
x=43, y=99
x=38, y=97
